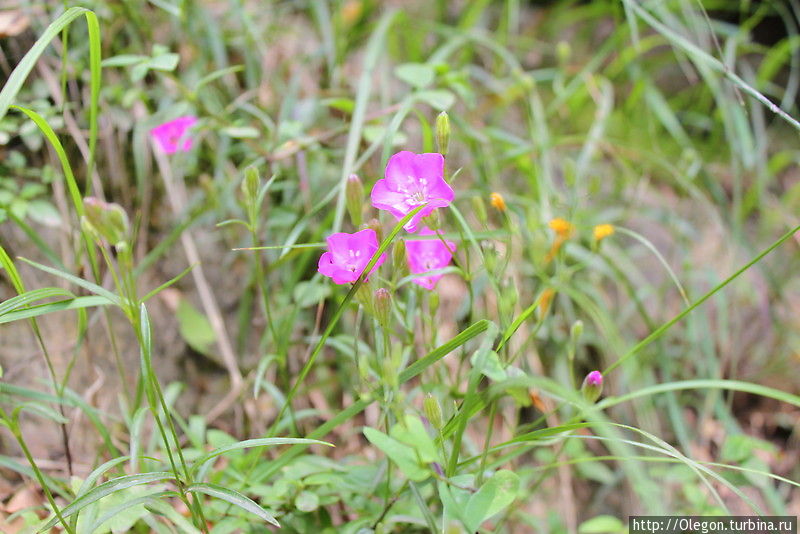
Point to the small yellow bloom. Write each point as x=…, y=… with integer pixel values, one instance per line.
x=352, y=11
x=498, y=201
x=562, y=227
x=602, y=231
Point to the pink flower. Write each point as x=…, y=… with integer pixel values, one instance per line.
x=172, y=136
x=348, y=255
x=595, y=378
x=428, y=255
x=410, y=181
x=592, y=386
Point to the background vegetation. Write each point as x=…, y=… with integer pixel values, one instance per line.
x=133, y=369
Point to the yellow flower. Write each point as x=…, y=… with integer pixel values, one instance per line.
x=562, y=227
x=602, y=231
x=498, y=201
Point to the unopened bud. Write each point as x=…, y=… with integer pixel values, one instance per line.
x=601, y=231
x=479, y=207
x=354, y=195
x=592, y=386
x=510, y=295
x=576, y=331
x=250, y=184
x=498, y=202
x=382, y=302
x=375, y=225
x=433, y=411
x=432, y=221
x=399, y=260
x=108, y=220
x=443, y=132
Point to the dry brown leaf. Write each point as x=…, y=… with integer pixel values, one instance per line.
x=26, y=497
x=13, y=23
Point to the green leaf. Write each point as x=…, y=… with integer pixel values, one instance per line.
x=306, y=501
x=417, y=75
x=107, y=488
x=342, y=104
x=123, y=60
x=440, y=352
x=14, y=82
x=402, y=455
x=43, y=309
x=120, y=512
x=235, y=498
x=412, y=432
x=98, y=472
x=43, y=212
x=601, y=524
x=195, y=328
x=164, y=62
x=311, y=293
x=89, y=286
x=240, y=132
x=438, y=99
x=250, y=443
x=487, y=362
x=42, y=410
x=495, y=495
x=454, y=498
x=26, y=298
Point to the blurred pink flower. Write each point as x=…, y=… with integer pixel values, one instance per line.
x=348, y=255
x=412, y=180
x=428, y=255
x=173, y=135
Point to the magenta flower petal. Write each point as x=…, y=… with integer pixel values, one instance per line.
x=428, y=255
x=173, y=136
x=348, y=256
x=412, y=180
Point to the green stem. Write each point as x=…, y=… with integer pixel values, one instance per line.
x=13, y=425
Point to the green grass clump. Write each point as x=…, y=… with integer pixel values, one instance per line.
x=626, y=200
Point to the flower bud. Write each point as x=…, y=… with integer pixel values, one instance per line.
x=562, y=227
x=250, y=184
x=510, y=295
x=374, y=224
x=592, y=386
x=576, y=331
x=601, y=231
x=443, y=132
x=354, y=195
x=498, y=202
x=433, y=411
x=432, y=221
x=382, y=302
x=480, y=210
x=399, y=260
x=108, y=220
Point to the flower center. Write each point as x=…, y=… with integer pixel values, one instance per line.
x=416, y=190
x=352, y=264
